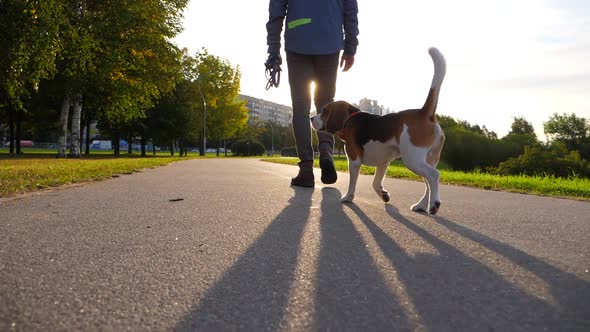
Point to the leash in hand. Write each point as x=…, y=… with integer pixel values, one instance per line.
x=273, y=71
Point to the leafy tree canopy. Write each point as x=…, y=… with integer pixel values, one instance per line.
x=30, y=43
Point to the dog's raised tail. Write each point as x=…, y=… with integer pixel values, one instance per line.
x=440, y=69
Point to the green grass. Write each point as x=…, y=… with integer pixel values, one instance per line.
x=25, y=173
x=39, y=169
x=578, y=188
x=36, y=169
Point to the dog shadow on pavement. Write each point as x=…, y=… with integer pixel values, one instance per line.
x=570, y=294
x=352, y=294
x=455, y=290
x=253, y=293
x=345, y=291
x=466, y=281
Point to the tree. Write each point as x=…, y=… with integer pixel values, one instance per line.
x=137, y=62
x=488, y=134
x=252, y=131
x=219, y=84
x=569, y=129
x=521, y=135
x=119, y=53
x=76, y=63
x=150, y=65
x=178, y=117
x=468, y=147
x=227, y=120
x=173, y=120
x=520, y=126
x=554, y=160
x=29, y=47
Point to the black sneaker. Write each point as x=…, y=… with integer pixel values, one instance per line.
x=303, y=179
x=329, y=175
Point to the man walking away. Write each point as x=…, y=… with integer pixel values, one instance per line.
x=315, y=34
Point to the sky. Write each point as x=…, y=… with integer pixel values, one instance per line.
x=505, y=58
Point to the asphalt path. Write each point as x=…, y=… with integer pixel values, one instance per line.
x=228, y=245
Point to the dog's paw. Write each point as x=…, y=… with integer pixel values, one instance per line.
x=347, y=199
x=434, y=208
x=418, y=208
x=385, y=196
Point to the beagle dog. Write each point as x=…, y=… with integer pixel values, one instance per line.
x=372, y=140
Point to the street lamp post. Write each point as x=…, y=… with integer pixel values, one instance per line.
x=272, y=139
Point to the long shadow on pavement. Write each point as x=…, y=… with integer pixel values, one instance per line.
x=571, y=294
x=253, y=294
x=452, y=291
x=351, y=291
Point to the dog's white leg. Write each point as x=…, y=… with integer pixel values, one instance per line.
x=415, y=159
x=380, y=172
x=432, y=176
x=422, y=205
x=354, y=167
x=433, y=182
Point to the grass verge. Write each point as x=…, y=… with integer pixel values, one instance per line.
x=577, y=188
x=27, y=173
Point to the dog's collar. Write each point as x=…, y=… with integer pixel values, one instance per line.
x=352, y=115
x=339, y=133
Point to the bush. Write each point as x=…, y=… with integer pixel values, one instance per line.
x=537, y=160
x=289, y=152
x=247, y=148
x=466, y=150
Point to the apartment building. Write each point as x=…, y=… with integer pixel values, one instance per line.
x=267, y=111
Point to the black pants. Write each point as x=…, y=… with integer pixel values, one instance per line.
x=303, y=69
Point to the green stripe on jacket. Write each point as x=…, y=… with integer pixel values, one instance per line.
x=298, y=22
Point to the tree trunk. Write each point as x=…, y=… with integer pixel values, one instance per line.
x=118, y=145
x=202, y=148
x=143, y=141
x=87, y=152
x=82, y=134
x=172, y=149
x=63, y=130
x=154, y=148
x=11, y=130
x=17, y=133
x=76, y=119
x=130, y=144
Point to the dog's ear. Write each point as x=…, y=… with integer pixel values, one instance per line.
x=338, y=114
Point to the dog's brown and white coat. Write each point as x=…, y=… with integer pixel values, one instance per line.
x=414, y=135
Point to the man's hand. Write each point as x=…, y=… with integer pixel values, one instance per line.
x=274, y=59
x=273, y=70
x=347, y=61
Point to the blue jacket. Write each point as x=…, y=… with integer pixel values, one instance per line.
x=313, y=26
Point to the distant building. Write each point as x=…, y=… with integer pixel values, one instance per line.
x=267, y=111
x=372, y=106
